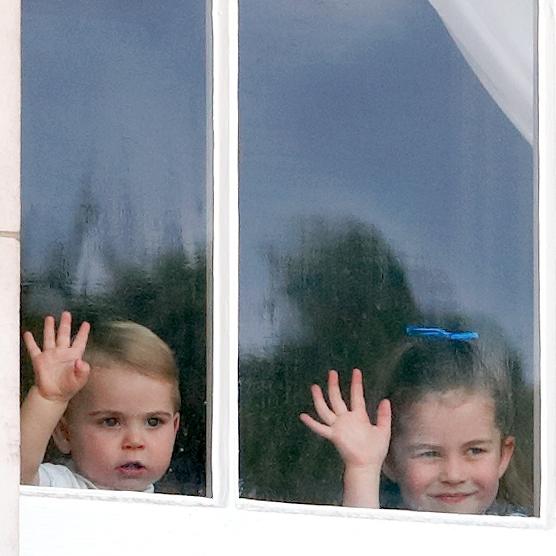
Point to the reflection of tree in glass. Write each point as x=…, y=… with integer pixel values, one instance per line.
x=170, y=299
x=349, y=305
x=352, y=302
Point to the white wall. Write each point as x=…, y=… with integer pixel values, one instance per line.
x=9, y=275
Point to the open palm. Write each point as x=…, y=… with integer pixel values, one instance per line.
x=359, y=442
x=60, y=371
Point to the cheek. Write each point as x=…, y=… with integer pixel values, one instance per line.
x=159, y=455
x=91, y=444
x=165, y=444
x=487, y=475
x=417, y=478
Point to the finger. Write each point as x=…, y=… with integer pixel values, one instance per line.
x=384, y=415
x=321, y=407
x=315, y=426
x=334, y=394
x=82, y=370
x=64, y=330
x=49, y=333
x=80, y=340
x=32, y=348
x=357, y=395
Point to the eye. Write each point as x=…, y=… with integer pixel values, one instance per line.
x=110, y=422
x=428, y=454
x=154, y=421
x=476, y=451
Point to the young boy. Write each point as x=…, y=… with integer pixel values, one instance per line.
x=110, y=403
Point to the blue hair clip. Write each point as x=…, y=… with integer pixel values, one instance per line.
x=433, y=332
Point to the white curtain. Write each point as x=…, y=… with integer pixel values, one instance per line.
x=496, y=39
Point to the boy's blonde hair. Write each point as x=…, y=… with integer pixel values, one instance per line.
x=126, y=343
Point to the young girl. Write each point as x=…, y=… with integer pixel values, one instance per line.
x=443, y=434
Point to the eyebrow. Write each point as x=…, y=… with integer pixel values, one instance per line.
x=480, y=441
x=425, y=446
x=100, y=412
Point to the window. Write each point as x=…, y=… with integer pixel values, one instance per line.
x=114, y=186
x=91, y=523
x=381, y=186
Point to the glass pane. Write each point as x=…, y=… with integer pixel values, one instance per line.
x=382, y=187
x=115, y=201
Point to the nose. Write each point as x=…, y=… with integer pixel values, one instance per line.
x=453, y=470
x=133, y=438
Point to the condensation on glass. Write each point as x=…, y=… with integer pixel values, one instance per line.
x=383, y=183
x=114, y=184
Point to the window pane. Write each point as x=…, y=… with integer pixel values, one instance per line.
x=382, y=186
x=115, y=186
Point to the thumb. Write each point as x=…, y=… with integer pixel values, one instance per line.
x=384, y=415
x=81, y=369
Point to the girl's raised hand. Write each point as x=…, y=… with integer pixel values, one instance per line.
x=360, y=443
x=60, y=371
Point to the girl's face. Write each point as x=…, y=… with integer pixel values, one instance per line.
x=449, y=454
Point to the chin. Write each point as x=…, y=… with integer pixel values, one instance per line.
x=131, y=487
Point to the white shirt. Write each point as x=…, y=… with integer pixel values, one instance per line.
x=54, y=475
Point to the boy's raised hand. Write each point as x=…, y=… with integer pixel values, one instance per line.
x=60, y=371
x=360, y=443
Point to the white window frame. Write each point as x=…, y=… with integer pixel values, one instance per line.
x=61, y=522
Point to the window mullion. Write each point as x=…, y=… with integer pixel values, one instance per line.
x=547, y=260
x=225, y=253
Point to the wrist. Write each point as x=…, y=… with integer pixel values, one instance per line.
x=53, y=401
x=362, y=486
x=363, y=470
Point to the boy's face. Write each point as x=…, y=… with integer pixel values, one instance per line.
x=449, y=455
x=120, y=429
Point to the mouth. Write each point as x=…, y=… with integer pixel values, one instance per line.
x=132, y=469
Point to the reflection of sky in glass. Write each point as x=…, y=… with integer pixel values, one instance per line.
x=114, y=181
x=367, y=110
x=114, y=131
